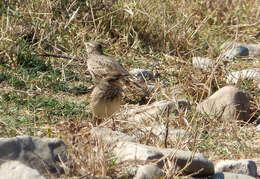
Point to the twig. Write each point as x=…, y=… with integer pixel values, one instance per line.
x=167, y=128
x=87, y=175
x=59, y=56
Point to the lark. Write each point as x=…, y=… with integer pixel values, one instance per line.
x=101, y=65
x=106, y=96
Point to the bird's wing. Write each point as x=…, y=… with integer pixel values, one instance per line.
x=103, y=65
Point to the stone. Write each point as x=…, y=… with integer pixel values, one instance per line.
x=251, y=74
x=258, y=121
x=202, y=63
x=148, y=172
x=245, y=167
x=237, y=51
x=160, y=131
x=234, y=49
x=38, y=153
x=226, y=175
x=109, y=136
x=142, y=74
x=229, y=101
x=17, y=170
x=197, y=163
x=149, y=112
x=258, y=128
x=129, y=151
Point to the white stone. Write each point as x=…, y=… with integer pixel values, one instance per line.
x=251, y=74
x=142, y=74
x=17, y=170
x=109, y=136
x=148, y=112
x=129, y=151
x=202, y=63
x=258, y=128
x=160, y=131
x=246, y=167
x=148, y=172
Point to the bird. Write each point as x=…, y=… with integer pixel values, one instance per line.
x=101, y=65
x=106, y=96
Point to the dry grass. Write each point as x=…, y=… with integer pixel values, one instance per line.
x=47, y=97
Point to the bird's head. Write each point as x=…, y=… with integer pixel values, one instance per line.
x=94, y=47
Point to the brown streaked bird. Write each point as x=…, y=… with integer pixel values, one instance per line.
x=106, y=96
x=101, y=65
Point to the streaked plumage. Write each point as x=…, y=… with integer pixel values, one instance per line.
x=106, y=96
x=101, y=65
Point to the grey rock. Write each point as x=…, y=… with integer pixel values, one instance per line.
x=37, y=153
x=109, y=136
x=258, y=121
x=226, y=175
x=239, y=50
x=17, y=170
x=202, y=63
x=234, y=49
x=148, y=172
x=160, y=131
x=199, y=165
x=229, y=101
x=245, y=167
x=128, y=151
x=251, y=74
x=142, y=74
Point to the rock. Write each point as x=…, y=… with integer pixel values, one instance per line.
x=251, y=74
x=109, y=136
x=226, y=175
x=128, y=151
x=229, y=101
x=17, y=170
x=37, y=153
x=258, y=128
x=153, y=111
x=160, y=131
x=149, y=112
x=245, y=167
x=233, y=49
x=142, y=74
x=148, y=172
x=202, y=63
x=236, y=52
x=258, y=121
x=199, y=165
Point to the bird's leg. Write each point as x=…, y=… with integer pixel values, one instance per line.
x=114, y=124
